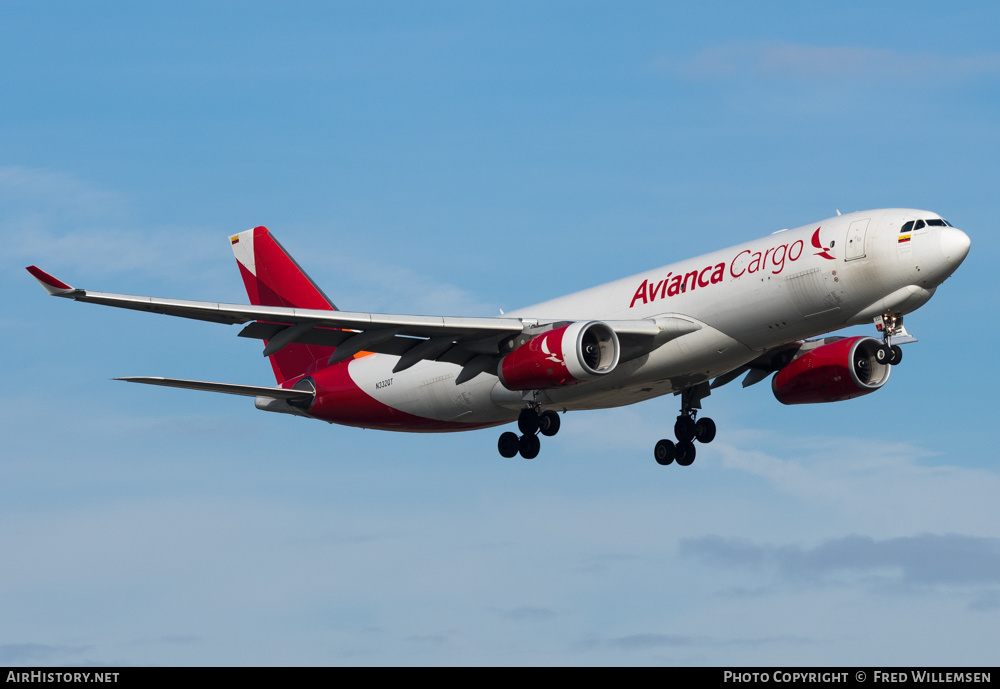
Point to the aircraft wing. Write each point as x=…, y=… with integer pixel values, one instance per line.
x=244, y=313
x=472, y=342
x=771, y=360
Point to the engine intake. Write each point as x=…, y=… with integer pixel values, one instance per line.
x=840, y=370
x=572, y=354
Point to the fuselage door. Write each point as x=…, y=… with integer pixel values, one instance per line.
x=856, y=239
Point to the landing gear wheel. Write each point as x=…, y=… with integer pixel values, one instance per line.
x=897, y=355
x=529, y=445
x=685, y=453
x=883, y=354
x=688, y=427
x=509, y=444
x=704, y=431
x=684, y=429
x=548, y=423
x=664, y=452
x=527, y=421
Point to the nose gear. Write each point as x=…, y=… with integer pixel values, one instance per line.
x=891, y=327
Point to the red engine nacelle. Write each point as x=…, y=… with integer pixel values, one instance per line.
x=832, y=372
x=568, y=355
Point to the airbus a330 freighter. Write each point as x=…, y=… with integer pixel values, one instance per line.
x=685, y=328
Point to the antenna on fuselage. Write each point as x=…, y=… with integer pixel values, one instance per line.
x=838, y=211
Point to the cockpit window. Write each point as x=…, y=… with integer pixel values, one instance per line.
x=911, y=225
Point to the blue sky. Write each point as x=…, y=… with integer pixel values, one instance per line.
x=461, y=158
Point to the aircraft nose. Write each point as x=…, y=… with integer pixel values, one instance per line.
x=954, y=246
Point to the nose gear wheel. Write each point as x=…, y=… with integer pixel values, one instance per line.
x=890, y=325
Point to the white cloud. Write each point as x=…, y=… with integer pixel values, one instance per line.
x=528, y=614
x=36, y=654
x=360, y=283
x=810, y=63
x=107, y=250
x=924, y=559
x=882, y=488
x=43, y=192
x=57, y=221
x=335, y=566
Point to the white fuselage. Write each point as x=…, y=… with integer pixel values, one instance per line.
x=788, y=286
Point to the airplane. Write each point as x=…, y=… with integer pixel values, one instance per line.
x=760, y=308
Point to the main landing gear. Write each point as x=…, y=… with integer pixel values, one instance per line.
x=530, y=422
x=687, y=429
x=891, y=325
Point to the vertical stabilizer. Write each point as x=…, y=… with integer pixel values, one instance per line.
x=273, y=278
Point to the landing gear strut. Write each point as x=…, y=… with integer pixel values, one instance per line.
x=890, y=325
x=687, y=429
x=530, y=422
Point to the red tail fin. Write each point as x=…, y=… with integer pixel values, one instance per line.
x=273, y=278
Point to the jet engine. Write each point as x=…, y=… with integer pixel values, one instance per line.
x=840, y=370
x=567, y=355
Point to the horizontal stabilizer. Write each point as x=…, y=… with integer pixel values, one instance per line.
x=227, y=388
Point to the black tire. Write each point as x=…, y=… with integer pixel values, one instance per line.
x=664, y=452
x=684, y=429
x=897, y=355
x=527, y=421
x=529, y=445
x=685, y=454
x=883, y=354
x=548, y=423
x=509, y=444
x=704, y=431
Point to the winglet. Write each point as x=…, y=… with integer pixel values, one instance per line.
x=53, y=286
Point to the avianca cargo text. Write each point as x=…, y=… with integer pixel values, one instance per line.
x=746, y=262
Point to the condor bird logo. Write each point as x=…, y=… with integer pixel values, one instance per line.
x=545, y=350
x=824, y=251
